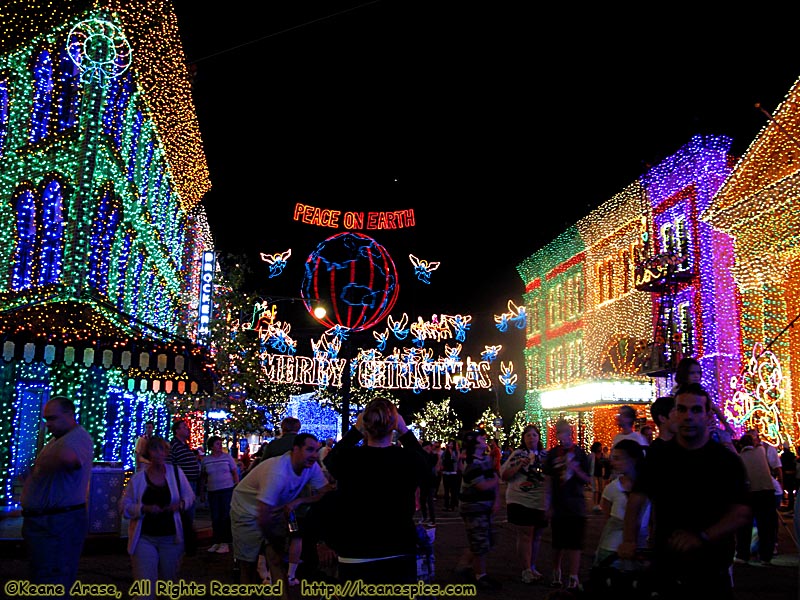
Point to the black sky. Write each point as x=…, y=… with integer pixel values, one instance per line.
x=498, y=123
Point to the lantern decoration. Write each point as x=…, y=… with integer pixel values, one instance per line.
x=356, y=276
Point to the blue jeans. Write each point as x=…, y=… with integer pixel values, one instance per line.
x=156, y=557
x=219, y=504
x=55, y=543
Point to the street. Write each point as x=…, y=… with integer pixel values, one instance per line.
x=105, y=561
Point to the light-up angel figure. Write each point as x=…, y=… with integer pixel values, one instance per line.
x=453, y=352
x=461, y=324
x=462, y=385
x=411, y=355
x=381, y=338
x=339, y=332
x=276, y=262
x=490, y=353
x=281, y=341
x=423, y=268
x=516, y=315
x=321, y=346
x=507, y=377
x=398, y=328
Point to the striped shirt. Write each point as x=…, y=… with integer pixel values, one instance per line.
x=180, y=454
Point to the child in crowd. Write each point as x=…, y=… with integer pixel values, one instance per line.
x=626, y=459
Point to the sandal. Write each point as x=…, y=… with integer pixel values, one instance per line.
x=574, y=584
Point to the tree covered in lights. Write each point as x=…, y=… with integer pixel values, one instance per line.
x=359, y=397
x=242, y=386
x=441, y=421
x=517, y=425
x=486, y=422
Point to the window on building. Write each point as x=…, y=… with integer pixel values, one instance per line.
x=52, y=244
x=685, y=328
x=67, y=93
x=25, y=249
x=3, y=113
x=136, y=131
x=104, y=228
x=123, y=260
x=42, y=97
x=675, y=240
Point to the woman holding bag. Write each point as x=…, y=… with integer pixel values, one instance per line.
x=153, y=500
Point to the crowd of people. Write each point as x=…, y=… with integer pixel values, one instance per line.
x=688, y=495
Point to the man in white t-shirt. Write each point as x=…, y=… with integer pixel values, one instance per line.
x=323, y=452
x=264, y=498
x=626, y=417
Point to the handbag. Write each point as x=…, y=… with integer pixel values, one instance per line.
x=189, y=534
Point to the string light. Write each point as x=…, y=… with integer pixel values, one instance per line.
x=104, y=229
x=588, y=322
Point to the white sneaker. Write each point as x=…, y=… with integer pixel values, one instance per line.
x=293, y=581
x=223, y=549
x=213, y=548
x=527, y=576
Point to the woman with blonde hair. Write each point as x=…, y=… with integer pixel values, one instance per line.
x=153, y=501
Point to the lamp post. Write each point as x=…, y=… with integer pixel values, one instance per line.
x=319, y=310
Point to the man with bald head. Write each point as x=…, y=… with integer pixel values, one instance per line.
x=55, y=519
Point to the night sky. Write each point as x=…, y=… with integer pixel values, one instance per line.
x=498, y=124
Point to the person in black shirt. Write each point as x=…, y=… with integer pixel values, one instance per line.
x=661, y=411
x=377, y=483
x=428, y=485
x=698, y=490
x=451, y=476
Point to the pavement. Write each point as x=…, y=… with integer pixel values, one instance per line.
x=105, y=561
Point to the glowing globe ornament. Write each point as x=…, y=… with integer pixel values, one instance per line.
x=355, y=277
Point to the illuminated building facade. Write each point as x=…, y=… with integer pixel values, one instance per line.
x=759, y=207
x=593, y=326
x=101, y=176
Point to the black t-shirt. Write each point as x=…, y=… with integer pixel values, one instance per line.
x=691, y=490
x=376, y=495
x=567, y=493
x=161, y=523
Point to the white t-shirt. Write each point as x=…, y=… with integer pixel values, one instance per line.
x=633, y=435
x=611, y=537
x=275, y=483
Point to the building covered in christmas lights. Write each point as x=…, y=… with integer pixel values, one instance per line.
x=102, y=173
x=759, y=206
x=618, y=298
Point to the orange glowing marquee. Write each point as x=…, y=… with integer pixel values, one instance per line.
x=326, y=217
